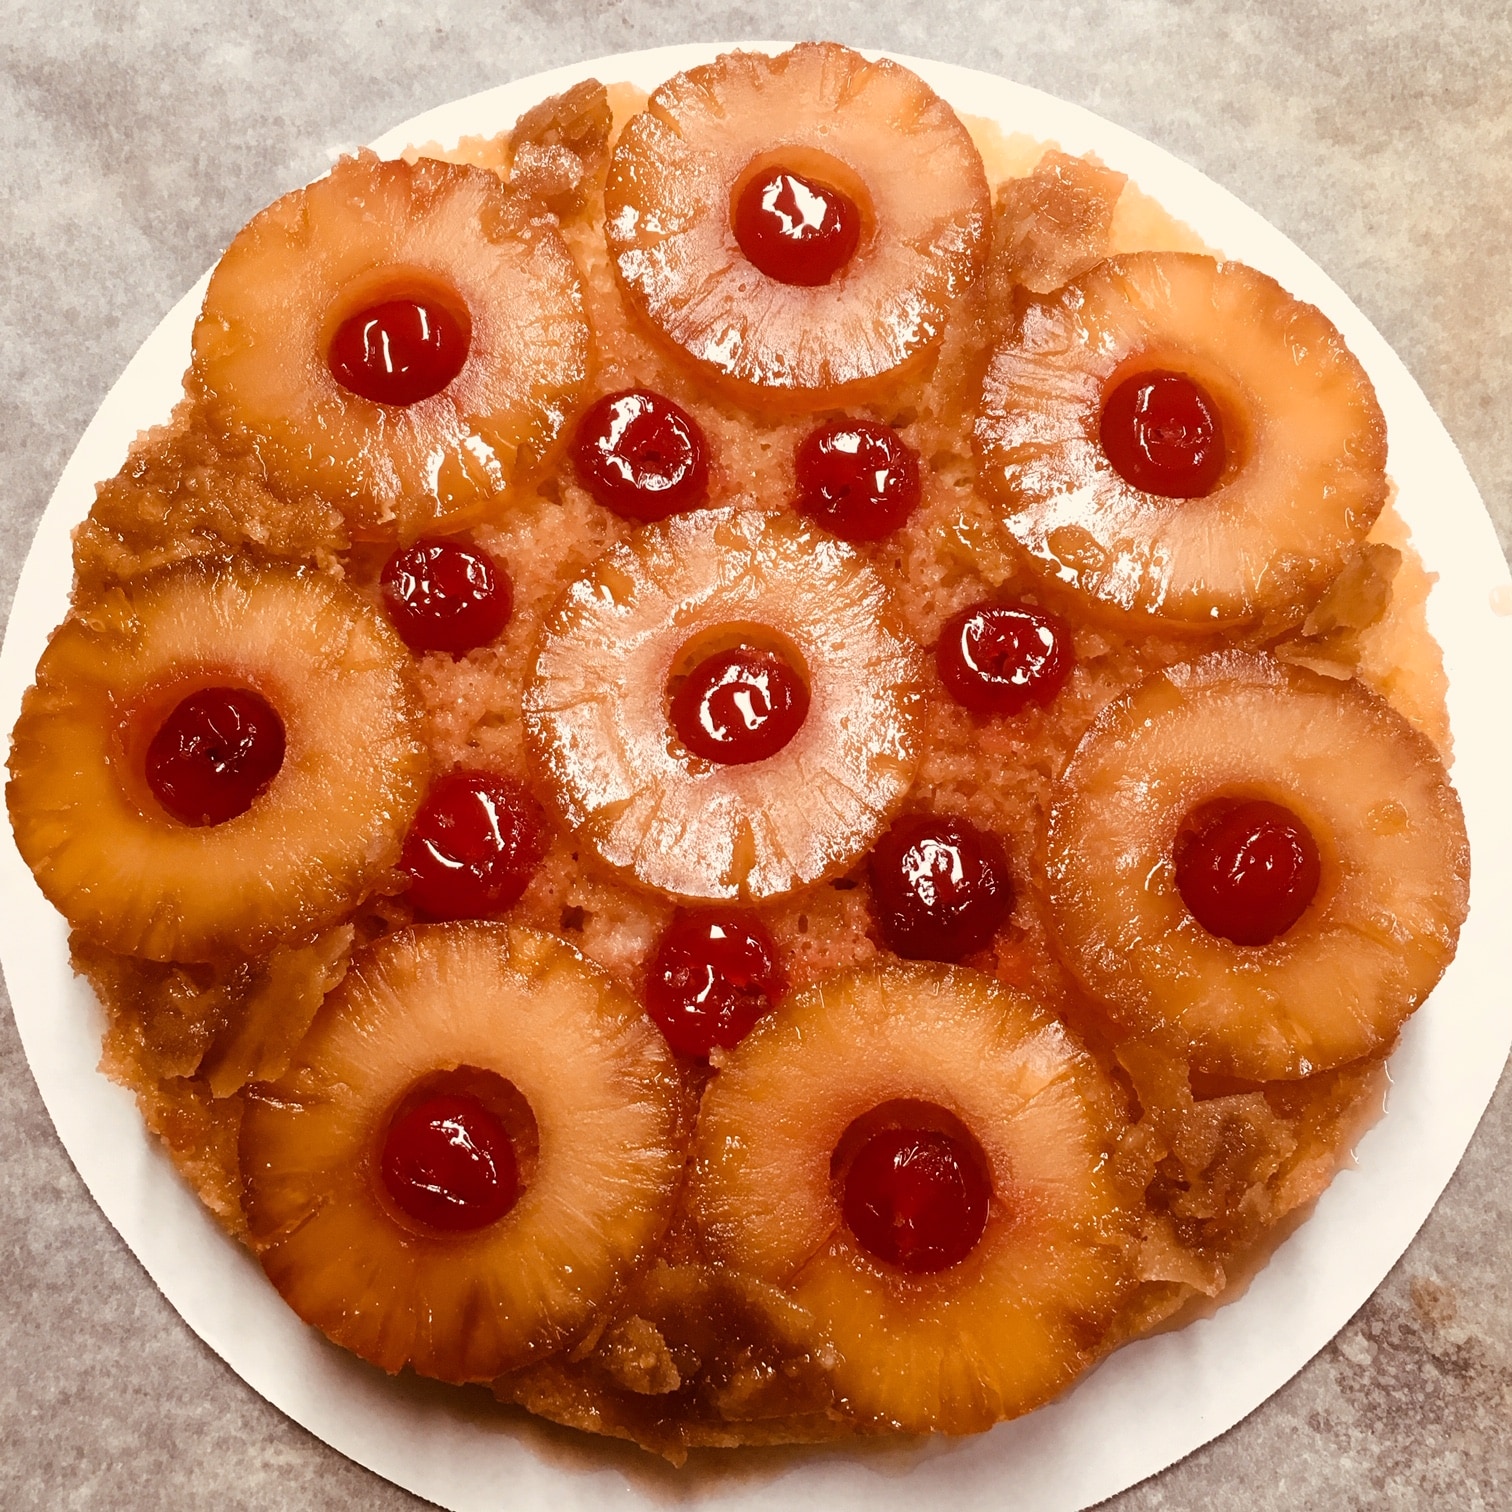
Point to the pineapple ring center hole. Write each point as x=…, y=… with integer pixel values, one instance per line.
x=200, y=748
x=801, y=202
x=737, y=693
x=455, y=1153
x=1246, y=866
x=1174, y=424
x=912, y=1185
x=396, y=335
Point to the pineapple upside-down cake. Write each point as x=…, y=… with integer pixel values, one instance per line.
x=755, y=764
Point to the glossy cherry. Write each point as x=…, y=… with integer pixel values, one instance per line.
x=445, y=595
x=859, y=479
x=400, y=351
x=940, y=887
x=448, y=1163
x=1247, y=870
x=998, y=658
x=739, y=705
x=715, y=972
x=473, y=847
x=796, y=229
x=1163, y=433
x=641, y=456
x=212, y=756
x=917, y=1198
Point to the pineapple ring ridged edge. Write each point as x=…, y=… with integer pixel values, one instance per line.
x=1319, y=728
x=1006, y=1328
x=259, y=343
x=1129, y=554
x=604, y=1092
x=312, y=842
x=595, y=709
x=931, y=202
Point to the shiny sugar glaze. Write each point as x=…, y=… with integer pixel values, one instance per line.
x=399, y=352
x=214, y=754
x=714, y=974
x=796, y=229
x=447, y=1163
x=1163, y=433
x=1247, y=870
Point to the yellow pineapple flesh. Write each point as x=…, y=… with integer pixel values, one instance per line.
x=372, y=231
x=324, y=831
x=1026, y=1311
x=871, y=129
x=596, y=710
x=604, y=1116
x=1306, y=441
x=1381, y=928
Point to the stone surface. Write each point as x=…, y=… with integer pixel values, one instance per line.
x=1376, y=133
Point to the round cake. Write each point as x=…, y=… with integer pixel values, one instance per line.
x=752, y=764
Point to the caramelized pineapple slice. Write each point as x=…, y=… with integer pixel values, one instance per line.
x=120, y=868
x=576, y=1074
x=872, y=131
x=1304, y=444
x=597, y=707
x=998, y=1332
x=451, y=237
x=1392, y=877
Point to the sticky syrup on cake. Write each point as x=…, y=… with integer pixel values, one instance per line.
x=714, y=637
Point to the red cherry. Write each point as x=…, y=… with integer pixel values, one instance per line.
x=641, y=456
x=473, y=846
x=1163, y=433
x=449, y=1164
x=1246, y=871
x=739, y=706
x=857, y=478
x=996, y=658
x=399, y=352
x=796, y=229
x=714, y=974
x=940, y=887
x=917, y=1199
x=446, y=596
x=212, y=756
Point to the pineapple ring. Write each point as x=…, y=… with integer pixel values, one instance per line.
x=1381, y=928
x=597, y=717
x=315, y=840
x=604, y=1094
x=1030, y=1307
x=371, y=231
x=874, y=130
x=1306, y=476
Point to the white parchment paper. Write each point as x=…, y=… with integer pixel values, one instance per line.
x=1146, y=1407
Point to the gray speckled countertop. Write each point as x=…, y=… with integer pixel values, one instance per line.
x=137, y=139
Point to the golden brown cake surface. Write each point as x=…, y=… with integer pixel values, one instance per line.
x=698, y=1342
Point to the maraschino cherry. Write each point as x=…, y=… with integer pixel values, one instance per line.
x=473, y=846
x=446, y=595
x=859, y=479
x=917, y=1198
x=714, y=974
x=998, y=658
x=739, y=705
x=940, y=887
x=1163, y=433
x=641, y=456
x=796, y=229
x=449, y=1164
x=400, y=351
x=213, y=755
x=1247, y=870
